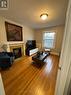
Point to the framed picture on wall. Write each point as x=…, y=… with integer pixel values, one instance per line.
x=14, y=32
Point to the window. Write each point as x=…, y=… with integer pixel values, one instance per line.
x=49, y=40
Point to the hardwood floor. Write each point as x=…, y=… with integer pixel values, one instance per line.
x=24, y=78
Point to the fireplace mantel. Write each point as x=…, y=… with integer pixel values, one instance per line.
x=14, y=45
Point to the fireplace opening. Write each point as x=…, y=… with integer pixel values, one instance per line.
x=17, y=52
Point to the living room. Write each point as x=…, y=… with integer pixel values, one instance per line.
x=31, y=46
x=32, y=34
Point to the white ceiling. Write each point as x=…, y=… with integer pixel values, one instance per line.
x=28, y=12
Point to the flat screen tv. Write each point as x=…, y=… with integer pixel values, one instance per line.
x=31, y=44
x=14, y=32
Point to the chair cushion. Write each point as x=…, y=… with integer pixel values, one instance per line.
x=3, y=54
x=5, y=59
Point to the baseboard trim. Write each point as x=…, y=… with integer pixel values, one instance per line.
x=55, y=53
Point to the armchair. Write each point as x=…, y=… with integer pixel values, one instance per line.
x=6, y=59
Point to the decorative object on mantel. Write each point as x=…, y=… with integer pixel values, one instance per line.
x=3, y=47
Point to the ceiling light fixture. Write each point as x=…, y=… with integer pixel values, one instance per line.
x=44, y=16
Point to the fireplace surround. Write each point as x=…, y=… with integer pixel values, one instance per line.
x=17, y=49
x=17, y=52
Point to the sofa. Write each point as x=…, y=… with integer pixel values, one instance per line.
x=6, y=59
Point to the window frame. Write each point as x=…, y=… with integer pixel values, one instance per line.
x=53, y=41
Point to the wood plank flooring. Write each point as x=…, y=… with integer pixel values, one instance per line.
x=24, y=78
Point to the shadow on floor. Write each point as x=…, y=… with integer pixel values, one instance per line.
x=37, y=65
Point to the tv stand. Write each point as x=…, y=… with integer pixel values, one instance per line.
x=32, y=51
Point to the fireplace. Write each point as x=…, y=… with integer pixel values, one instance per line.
x=17, y=52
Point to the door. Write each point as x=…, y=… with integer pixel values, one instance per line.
x=67, y=90
x=65, y=59
x=1, y=87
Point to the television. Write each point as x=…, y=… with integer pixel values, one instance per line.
x=14, y=32
x=31, y=44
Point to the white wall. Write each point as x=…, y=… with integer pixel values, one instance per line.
x=2, y=30
x=28, y=33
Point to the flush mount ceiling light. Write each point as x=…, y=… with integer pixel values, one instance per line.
x=44, y=16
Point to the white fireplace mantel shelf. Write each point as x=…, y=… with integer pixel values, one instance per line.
x=13, y=44
x=10, y=43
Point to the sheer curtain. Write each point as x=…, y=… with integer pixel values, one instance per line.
x=49, y=40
